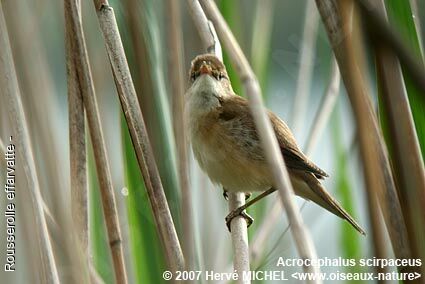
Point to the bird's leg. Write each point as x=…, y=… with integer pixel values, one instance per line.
x=240, y=211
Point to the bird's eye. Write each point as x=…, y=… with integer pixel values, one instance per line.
x=193, y=76
x=221, y=76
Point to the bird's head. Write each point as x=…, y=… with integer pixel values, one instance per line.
x=209, y=69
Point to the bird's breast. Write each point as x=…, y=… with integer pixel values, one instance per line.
x=223, y=159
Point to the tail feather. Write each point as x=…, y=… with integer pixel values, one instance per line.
x=319, y=195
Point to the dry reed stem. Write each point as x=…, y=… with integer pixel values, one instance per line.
x=238, y=225
x=381, y=31
x=381, y=34
x=390, y=207
x=77, y=143
x=203, y=27
x=305, y=70
x=137, y=128
x=3, y=162
x=325, y=108
x=11, y=96
x=261, y=33
x=319, y=124
x=408, y=168
x=2, y=148
x=301, y=236
x=350, y=60
x=176, y=71
x=239, y=233
x=39, y=91
x=81, y=61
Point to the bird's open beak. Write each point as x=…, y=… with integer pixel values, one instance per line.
x=205, y=69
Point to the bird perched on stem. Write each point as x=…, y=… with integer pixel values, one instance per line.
x=227, y=146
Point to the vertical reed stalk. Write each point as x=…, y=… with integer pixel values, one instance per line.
x=202, y=25
x=305, y=70
x=408, y=169
x=176, y=70
x=260, y=42
x=379, y=183
x=325, y=108
x=239, y=232
x=2, y=148
x=301, y=236
x=381, y=31
x=77, y=143
x=82, y=65
x=24, y=23
x=12, y=98
x=238, y=225
x=137, y=128
x=153, y=100
x=418, y=24
x=319, y=123
x=414, y=72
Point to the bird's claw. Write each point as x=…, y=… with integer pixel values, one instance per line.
x=238, y=212
x=225, y=195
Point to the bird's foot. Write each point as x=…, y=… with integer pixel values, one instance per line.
x=225, y=195
x=238, y=212
x=247, y=195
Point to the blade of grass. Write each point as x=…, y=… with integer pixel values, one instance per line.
x=252, y=89
x=381, y=31
x=145, y=245
x=349, y=239
x=100, y=254
x=94, y=276
x=400, y=17
x=417, y=21
x=398, y=125
x=153, y=100
x=12, y=97
x=134, y=118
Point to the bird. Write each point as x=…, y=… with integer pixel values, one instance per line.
x=227, y=147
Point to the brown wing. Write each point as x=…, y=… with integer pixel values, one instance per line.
x=235, y=109
x=294, y=158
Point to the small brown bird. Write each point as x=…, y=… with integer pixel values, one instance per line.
x=226, y=144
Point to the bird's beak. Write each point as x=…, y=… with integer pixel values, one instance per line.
x=205, y=69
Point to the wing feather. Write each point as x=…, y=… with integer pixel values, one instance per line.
x=236, y=108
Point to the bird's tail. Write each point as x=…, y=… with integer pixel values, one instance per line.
x=317, y=193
